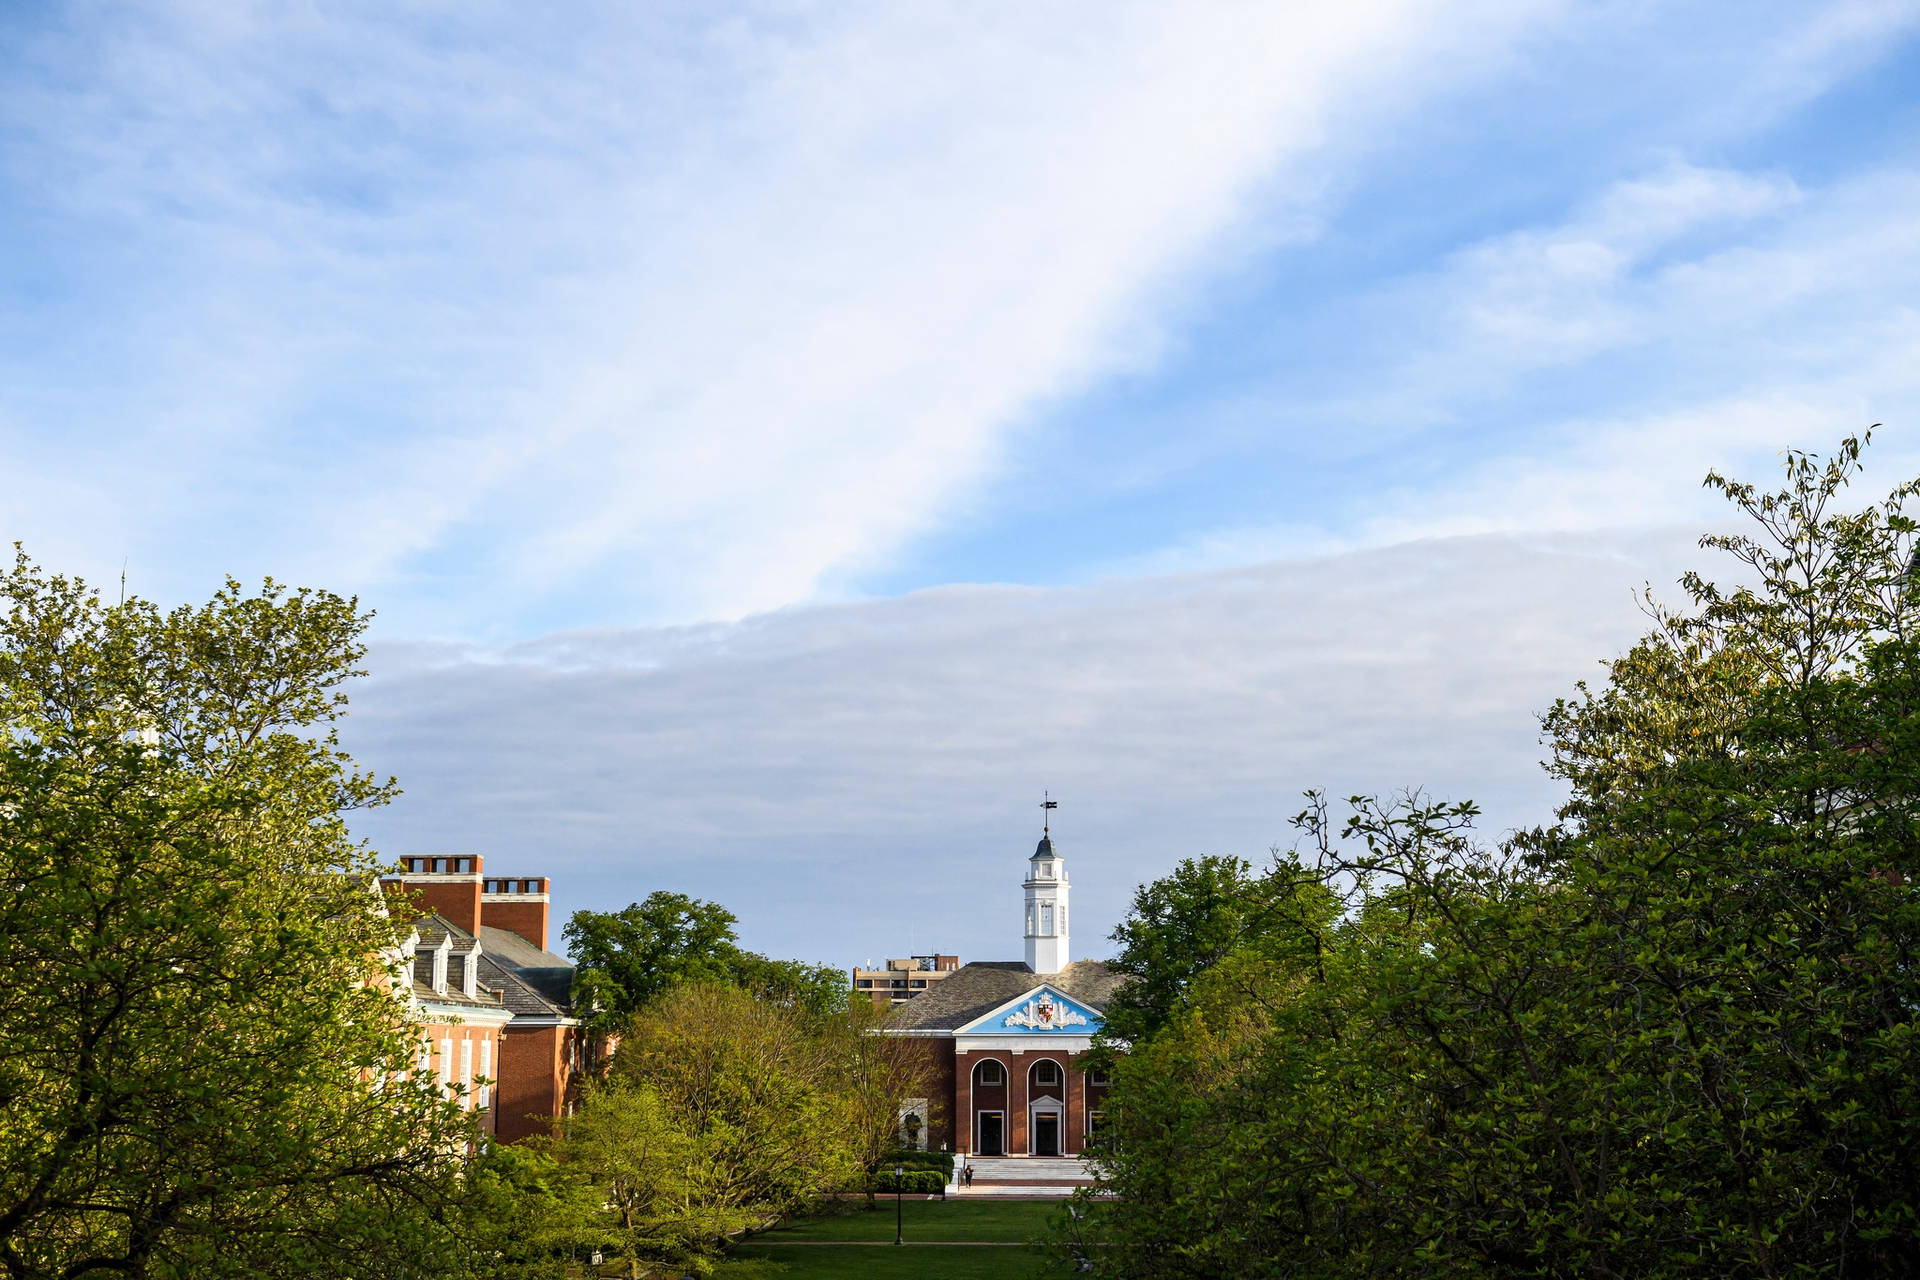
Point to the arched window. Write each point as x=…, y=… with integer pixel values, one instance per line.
x=989, y=1072
x=1046, y=1071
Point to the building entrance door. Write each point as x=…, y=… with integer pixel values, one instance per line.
x=1046, y=1134
x=993, y=1140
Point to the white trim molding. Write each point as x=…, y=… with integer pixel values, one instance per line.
x=1022, y=1044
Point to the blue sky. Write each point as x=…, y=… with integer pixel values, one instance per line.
x=668, y=376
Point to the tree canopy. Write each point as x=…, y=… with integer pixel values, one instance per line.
x=631, y=957
x=1670, y=1034
x=724, y=1110
x=202, y=1066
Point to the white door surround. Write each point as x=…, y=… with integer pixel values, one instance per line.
x=1046, y=1106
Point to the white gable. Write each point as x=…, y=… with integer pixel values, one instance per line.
x=1043, y=1011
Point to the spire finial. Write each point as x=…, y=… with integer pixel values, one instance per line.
x=1047, y=805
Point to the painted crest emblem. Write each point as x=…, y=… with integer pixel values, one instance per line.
x=1044, y=1013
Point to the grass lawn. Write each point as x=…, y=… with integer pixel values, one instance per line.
x=881, y=1262
x=1013, y=1220
x=823, y=1248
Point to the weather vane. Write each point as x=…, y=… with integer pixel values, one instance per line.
x=1047, y=803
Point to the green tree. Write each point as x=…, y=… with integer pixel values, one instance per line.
x=1183, y=924
x=1670, y=1035
x=816, y=991
x=631, y=957
x=522, y=1215
x=202, y=1069
x=721, y=1112
x=874, y=1075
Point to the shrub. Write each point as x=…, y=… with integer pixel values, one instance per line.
x=941, y=1160
x=913, y=1182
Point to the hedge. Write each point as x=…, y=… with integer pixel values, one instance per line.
x=913, y=1182
x=941, y=1160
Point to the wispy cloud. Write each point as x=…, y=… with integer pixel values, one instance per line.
x=1585, y=374
x=682, y=310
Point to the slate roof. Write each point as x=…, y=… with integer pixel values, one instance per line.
x=425, y=994
x=983, y=985
x=432, y=928
x=550, y=976
x=517, y=951
x=522, y=999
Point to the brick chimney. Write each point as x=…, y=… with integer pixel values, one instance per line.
x=448, y=884
x=518, y=905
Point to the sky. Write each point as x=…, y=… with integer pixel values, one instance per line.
x=781, y=440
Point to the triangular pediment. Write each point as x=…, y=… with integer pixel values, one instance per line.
x=1044, y=1011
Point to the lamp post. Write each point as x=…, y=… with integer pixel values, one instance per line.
x=899, y=1172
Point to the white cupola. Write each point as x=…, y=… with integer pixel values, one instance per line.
x=1046, y=889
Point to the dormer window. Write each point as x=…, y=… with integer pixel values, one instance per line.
x=440, y=969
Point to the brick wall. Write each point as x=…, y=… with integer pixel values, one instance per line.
x=942, y=1124
x=532, y=1081
x=448, y=1058
x=518, y=904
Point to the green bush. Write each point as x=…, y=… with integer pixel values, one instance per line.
x=913, y=1182
x=941, y=1160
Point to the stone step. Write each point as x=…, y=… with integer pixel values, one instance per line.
x=1043, y=1176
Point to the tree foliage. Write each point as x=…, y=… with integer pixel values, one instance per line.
x=722, y=1112
x=631, y=957
x=200, y=1060
x=875, y=1075
x=1183, y=925
x=1672, y=1034
x=522, y=1215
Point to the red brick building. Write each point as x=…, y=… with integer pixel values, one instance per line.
x=1010, y=1038
x=495, y=1004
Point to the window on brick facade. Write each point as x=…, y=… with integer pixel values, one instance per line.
x=1046, y=1071
x=446, y=1062
x=486, y=1070
x=990, y=1073
x=466, y=1069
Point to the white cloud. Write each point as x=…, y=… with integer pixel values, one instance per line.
x=1704, y=355
x=856, y=779
x=1586, y=375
